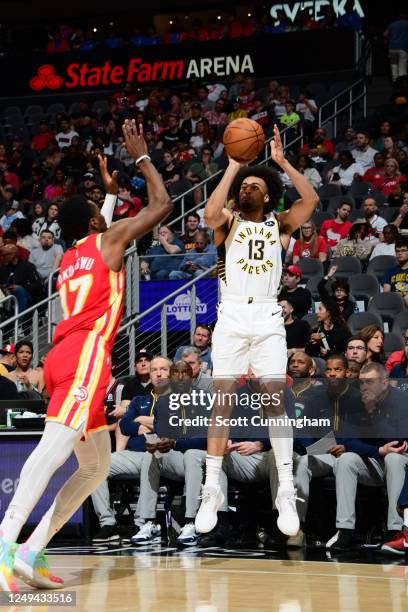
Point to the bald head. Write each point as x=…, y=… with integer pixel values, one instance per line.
x=9, y=253
x=300, y=365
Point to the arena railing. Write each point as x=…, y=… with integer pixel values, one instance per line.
x=328, y=112
x=150, y=329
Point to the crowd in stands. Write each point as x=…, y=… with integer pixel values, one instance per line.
x=220, y=27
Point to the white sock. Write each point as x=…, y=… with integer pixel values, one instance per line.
x=283, y=450
x=213, y=467
x=405, y=517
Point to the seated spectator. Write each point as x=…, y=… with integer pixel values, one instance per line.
x=319, y=148
x=190, y=125
x=349, y=141
x=297, y=330
x=346, y=172
x=262, y=115
x=217, y=117
x=373, y=336
x=401, y=220
x=20, y=278
x=396, y=279
x=299, y=297
x=334, y=230
x=402, y=159
x=390, y=149
x=306, y=108
x=198, y=260
x=191, y=229
x=387, y=247
x=202, y=341
x=164, y=256
x=25, y=237
x=10, y=237
x=171, y=135
x=375, y=223
x=47, y=256
x=57, y=43
x=372, y=461
x=356, y=349
x=127, y=205
x=202, y=170
x=53, y=156
x=7, y=360
x=340, y=291
x=392, y=177
x=376, y=173
x=306, y=167
x=66, y=133
x=237, y=111
x=11, y=213
x=8, y=177
x=33, y=189
x=290, y=118
x=355, y=245
x=170, y=172
x=309, y=244
x=170, y=461
x=384, y=131
x=41, y=140
x=192, y=356
x=400, y=370
x=137, y=421
x=25, y=376
x=50, y=221
x=353, y=369
x=55, y=188
x=363, y=154
x=331, y=334
x=201, y=137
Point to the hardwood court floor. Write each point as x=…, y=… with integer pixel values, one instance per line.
x=144, y=583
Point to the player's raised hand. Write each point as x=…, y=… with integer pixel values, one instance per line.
x=110, y=182
x=278, y=155
x=134, y=139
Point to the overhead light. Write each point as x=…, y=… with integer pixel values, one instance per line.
x=171, y=22
x=249, y=15
x=111, y=23
x=95, y=29
x=185, y=16
x=219, y=17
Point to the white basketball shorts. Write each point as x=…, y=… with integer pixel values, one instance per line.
x=249, y=334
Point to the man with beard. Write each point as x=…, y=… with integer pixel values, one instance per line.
x=47, y=256
x=166, y=458
x=297, y=330
x=373, y=454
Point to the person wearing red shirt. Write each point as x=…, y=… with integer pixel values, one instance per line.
x=309, y=244
x=388, y=183
x=376, y=173
x=10, y=237
x=9, y=178
x=40, y=141
x=334, y=230
x=127, y=205
x=319, y=146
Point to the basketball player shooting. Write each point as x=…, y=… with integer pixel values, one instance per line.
x=250, y=331
x=78, y=369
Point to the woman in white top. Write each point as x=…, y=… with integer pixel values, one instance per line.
x=49, y=222
x=387, y=247
x=345, y=173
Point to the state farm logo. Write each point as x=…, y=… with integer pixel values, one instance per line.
x=46, y=78
x=88, y=76
x=81, y=394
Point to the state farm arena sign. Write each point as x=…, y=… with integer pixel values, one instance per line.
x=261, y=56
x=86, y=75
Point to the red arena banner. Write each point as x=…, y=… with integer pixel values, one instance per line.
x=263, y=55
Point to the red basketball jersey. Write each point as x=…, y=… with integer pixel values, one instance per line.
x=91, y=294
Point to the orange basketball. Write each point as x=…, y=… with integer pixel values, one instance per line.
x=243, y=139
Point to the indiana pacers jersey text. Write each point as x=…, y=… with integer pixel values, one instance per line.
x=250, y=259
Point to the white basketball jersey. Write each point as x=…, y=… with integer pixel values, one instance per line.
x=250, y=259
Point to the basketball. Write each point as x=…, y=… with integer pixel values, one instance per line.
x=244, y=139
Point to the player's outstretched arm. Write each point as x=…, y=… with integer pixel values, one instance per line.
x=215, y=214
x=111, y=187
x=302, y=209
x=117, y=238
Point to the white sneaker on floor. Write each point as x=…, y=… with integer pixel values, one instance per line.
x=188, y=535
x=288, y=520
x=148, y=534
x=211, y=499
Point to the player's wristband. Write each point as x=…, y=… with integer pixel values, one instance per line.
x=141, y=158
